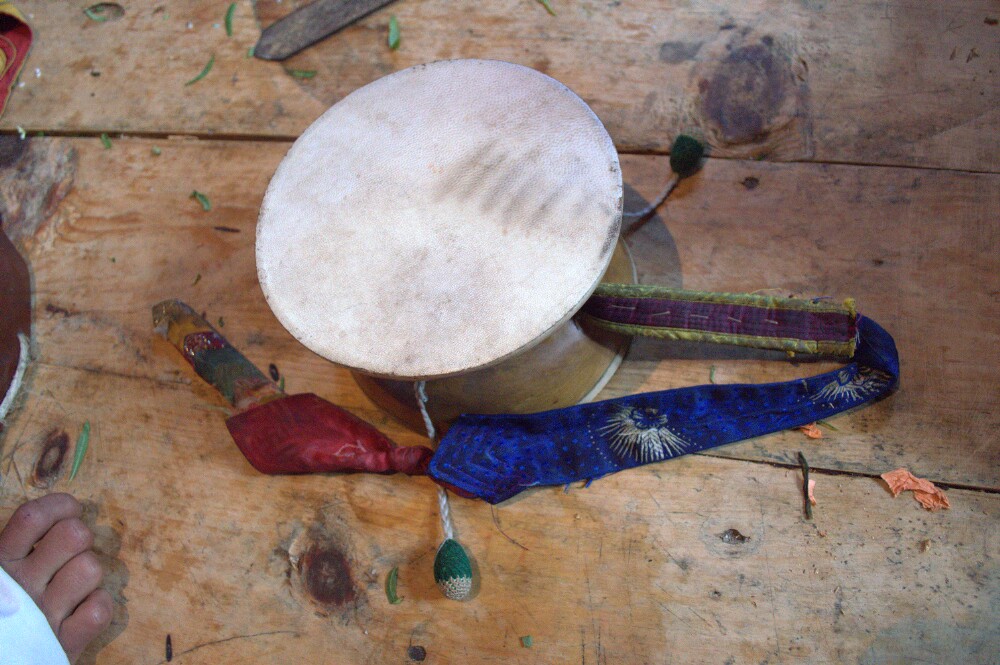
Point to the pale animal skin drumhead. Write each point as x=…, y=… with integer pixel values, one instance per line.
x=440, y=219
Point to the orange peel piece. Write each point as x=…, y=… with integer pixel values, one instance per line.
x=811, y=430
x=924, y=491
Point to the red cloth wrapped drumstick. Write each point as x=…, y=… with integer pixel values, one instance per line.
x=280, y=433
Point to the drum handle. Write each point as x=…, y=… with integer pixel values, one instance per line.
x=794, y=325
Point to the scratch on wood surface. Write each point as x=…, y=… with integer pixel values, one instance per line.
x=770, y=583
x=496, y=521
x=230, y=639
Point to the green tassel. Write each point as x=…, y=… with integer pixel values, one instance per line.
x=453, y=571
x=685, y=155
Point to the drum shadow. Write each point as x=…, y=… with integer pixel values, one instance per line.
x=651, y=245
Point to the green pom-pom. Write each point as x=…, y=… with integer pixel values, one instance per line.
x=685, y=155
x=452, y=570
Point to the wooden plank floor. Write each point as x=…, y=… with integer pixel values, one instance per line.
x=880, y=181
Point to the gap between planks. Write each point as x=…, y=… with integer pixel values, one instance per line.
x=290, y=138
x=781, y=465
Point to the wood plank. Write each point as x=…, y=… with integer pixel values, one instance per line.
x=635, y=569
x=915, y=248
x=911, y=245
x=900, y=83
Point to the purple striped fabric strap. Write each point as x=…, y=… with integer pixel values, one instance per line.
x=794, y=325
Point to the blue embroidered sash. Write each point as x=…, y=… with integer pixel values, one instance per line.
x=494, y=457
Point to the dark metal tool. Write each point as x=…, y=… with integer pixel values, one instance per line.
x=308, y=25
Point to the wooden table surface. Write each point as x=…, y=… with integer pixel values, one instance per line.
x=855, y=151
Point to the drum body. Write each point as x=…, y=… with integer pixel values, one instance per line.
x=441, y=226
x=568, y=366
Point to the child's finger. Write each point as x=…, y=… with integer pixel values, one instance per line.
x=85, y=623
x=70, y=586
x=63, y=542
x=32, y=521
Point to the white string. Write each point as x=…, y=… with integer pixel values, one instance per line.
x=15, y=384
x=445, y=507
x=420, y=389
x=648, y=210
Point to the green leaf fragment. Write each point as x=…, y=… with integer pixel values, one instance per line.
x=197, y=278
x=390, y=586
x=828, y=425
x=548, y=6
x=206, y=205
x=204, y=72
x=156, y=151
x=711, y=374
x=222, y=322
x=302, y=73
x=21, y=133
x=96, y=13
x=393, y=33
x=281, y=384
x=229, y=19
x=526, y=641
x=82, y=442
x=106, y=141
x=250, y=51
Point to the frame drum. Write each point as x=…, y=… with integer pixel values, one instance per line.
x=443, y=224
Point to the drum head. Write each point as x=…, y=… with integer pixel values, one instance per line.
x=440, y=219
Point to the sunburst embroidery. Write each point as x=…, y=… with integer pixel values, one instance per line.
x=642, y=434
x=852, y=386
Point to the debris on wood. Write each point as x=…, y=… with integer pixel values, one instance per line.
x=924, y=491
x=811, y=431
x=82, y=443
x=390, y=586
x=733, y=537
x=103, y=12
x=206, y=205
x=229, y=19
x=204, y=72
x=806, y=489
x=393, y=33
x=526, y=641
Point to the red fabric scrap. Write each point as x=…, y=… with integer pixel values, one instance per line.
x=306, y=434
